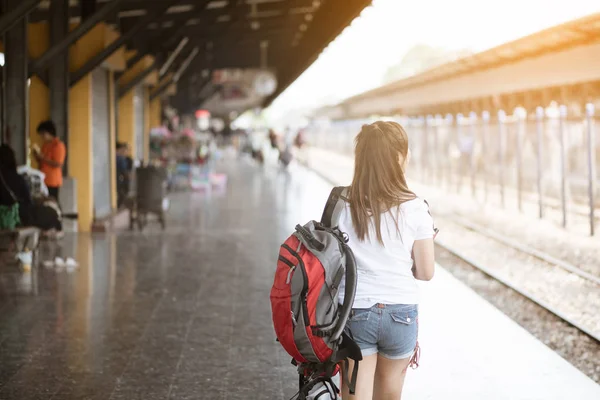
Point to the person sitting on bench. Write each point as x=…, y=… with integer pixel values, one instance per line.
x=13, y=187
x=44, y=214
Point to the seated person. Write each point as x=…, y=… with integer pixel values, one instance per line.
x=44, y=214
x=13, y=187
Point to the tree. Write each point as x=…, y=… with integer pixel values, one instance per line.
x=420, y=58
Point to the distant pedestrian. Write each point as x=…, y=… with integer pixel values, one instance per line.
x=51, y=157
x=124, y=171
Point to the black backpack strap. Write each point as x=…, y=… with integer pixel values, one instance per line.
x=332, y=201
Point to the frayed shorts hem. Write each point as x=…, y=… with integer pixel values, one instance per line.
x=397, y=357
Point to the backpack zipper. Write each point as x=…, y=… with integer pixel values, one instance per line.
x=289, y=275
x=304, y=292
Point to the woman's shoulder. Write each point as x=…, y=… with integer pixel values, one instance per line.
x=418, y=204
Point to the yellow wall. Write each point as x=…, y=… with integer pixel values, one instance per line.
x=127, y=110
x=80, y=121
x=127, y=121
x=80, y=149
x=99, y=37
x=39, y=94
x=136, y=69
x=39, y=110
x=155, y=113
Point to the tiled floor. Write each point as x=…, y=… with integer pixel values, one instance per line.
x=183, y=314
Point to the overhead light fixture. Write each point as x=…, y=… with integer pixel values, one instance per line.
x=301, y=10
x=255, y=25
x=185, y=64
x=173, y=55
x=193, y=21
x=180, y=9
x=216, y=4
x=224, y=18
x=131, y=13
x=316, y=3
x=265, y=14
x=308, y=17
x=303, y=27
x=263, y=1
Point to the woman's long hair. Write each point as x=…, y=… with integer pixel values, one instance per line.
x=8, y=160
x=379, y=184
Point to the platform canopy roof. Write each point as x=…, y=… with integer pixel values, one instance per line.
x=284, y=36
x=501, y=69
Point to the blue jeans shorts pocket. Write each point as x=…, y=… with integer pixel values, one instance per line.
x=399, y=332
x=406, y=317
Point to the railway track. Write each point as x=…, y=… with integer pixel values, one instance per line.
x=543, y=264
x=541, y=255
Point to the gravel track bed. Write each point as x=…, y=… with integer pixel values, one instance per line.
x=571, y=295
x=582, y=255
x=545, y=235
x=571, y=344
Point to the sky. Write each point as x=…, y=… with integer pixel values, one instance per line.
x=357, y=60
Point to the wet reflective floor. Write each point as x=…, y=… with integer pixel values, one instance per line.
x=180, y=314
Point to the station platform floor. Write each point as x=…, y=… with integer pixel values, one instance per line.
x=185, y=313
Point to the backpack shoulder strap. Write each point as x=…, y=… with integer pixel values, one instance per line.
x=333, y=207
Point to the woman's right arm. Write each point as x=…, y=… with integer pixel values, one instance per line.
x=424, y=259
x=423, y=250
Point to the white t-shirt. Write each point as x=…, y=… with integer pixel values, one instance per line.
x=385, y=272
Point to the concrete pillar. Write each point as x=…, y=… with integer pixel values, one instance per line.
x=39, y=97
x=59, y=72
x=15, y=86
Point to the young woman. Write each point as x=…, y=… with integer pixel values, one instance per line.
x=391, y=234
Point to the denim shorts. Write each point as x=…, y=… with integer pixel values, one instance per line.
x=387, y=329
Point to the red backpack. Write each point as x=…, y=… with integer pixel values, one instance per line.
x=308, y=320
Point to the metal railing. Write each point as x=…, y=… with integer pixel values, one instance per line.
x=548, y=157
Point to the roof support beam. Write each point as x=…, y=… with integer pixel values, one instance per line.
x=38, y=66
x=138, y=57
x=115, y=45
x=12, y=17
x=161, y=89
x=138, y=79
x=88, y=8
x=176, y=76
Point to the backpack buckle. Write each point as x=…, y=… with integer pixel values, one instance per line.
x=320, y=333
